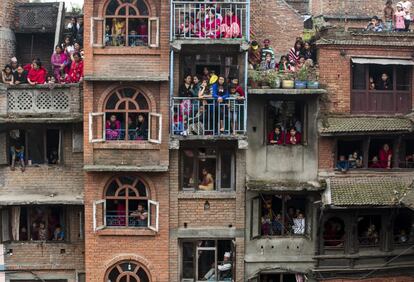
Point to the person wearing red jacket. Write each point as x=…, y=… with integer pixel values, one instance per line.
x=276, y=137
x=293, y=137
x=75, y=74
x=385, y=156
x=37, y=74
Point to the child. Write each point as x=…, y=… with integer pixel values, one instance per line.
x=388, y=15
x=42, y=232
x=133, y=39
x=342, y=164
x=113, y=127
x=294, y=137
x=20, y=76
x=58, y=234
x=108, y=36
x=355, y=160
x=284, y=65
x=187, y=27
x=371, y=83
x=277, y=136
x=7, y=75
x=233, y=111
x=399, y=18
x=239, y=89
x=268, y=63
x=16, y=149
x=375, y=163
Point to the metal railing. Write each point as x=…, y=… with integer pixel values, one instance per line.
x=113, y=220
x=194, y=116
x=210, y=20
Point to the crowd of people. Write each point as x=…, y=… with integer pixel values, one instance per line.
x=263, y=58
x=66, y=62
x=210, y=21
x=394, y=19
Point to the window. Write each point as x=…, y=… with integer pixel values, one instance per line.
x=127, y=116
x=279, y=215
x=211, y=260
x=128, y=271
x=127, y=203
x=34, y=223
x=381, y=88
x=407, y=154
x=334, y=233
x=38, y=145
x=381, y=153
x=403, y=227
x=369, y=230
x=350, y=154
x=126, y=23
x=282, y=117
x=208, y=169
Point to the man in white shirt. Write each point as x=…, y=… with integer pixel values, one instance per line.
x=224, y=270
x=407, y=9
x=299, y=224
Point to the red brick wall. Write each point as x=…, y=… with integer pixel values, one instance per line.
x=326, y=153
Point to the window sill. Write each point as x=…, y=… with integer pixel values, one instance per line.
x=288, y=237
x=126, y=232
x=138, y=50
x=206, y=195
x=127, y=145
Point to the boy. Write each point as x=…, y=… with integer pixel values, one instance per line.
x=233, y=103
x=16, y=149
x=58, y=234
x=388, y=15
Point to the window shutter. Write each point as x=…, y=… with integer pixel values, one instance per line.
x=5, y=225
x=155, y=128
x=97, y=32
x=153, y=213
x=153, y=32
x=99, y=215
x=96, y=127
x=255, y=218
x=3, y=149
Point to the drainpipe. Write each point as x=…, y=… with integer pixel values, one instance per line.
x=59, y=23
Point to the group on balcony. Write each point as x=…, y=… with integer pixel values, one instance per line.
x=394, y=19
x=210, y=21
x=208, y=102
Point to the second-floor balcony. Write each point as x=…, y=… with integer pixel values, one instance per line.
x=206, y=20
x=208, y=117
x=41, y=101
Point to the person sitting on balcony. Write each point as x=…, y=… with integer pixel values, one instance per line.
x=220, y=93
x=384, y=83
x=239, y=89
x=277, y=225
x=371, y=236
x=399, y=18
x=112, y=128
x=299, y=224
x=141, y=130
x=388, y=15
x=20, y=76
x=294, y=52
x=355, y=160
x=277, y=136
x=234, y=112
x=58, y=234
x=59, y=62
x=375, y=25
x=342, y=165
x=293, y=138
x=7, y=75
x=254, y=55
x=67, y=46
x=308, y=53
x=75, y=74
x=140, y=216
x=207, y=183
x=211, y=27
x=284, y=65
x=186, y=28
x=43, y=234
x=224, y=270
x=406, y=4
x=385, y=156
x=16, y=149
x=268, y=63
x=37, y=74
x=409, y=161
x=13, y=64
x=266, y=49
x=230, y=27
x=301, y=64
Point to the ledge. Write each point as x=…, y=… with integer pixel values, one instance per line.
x=32, y=119
x=126, y=168
x=127, y=145
x=265, y=186
x=176, y=44
x=208, y=137
x=125, y=232
x=280, y=91
x=207, y=232
x=127, y=50
x=161, y=77
x=206, y=195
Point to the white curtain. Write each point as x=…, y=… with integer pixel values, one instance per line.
x=15, y=222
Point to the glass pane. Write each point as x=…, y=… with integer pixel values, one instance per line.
x=110, y=10
x=123, y=279
x=110, y=191
x=142, y=275
x=358, y=72
x=131, y=106
x=138, y=32
x=115, y=32
x=142, y=190
x=128, y=92
x=122, y=106
x=403, y=77
x=35, y=141
x=131, y=193
x=138, y=126
x=226, y=169
x=188, y=169
x=138, y=213
x=113, y=275
x=128, y=180
x=142, y=102
x=188, y=260
x=142, y=8
x=115, y=212
x=206, y=265
x=112, y=100
x=122, y=192
x=132, y=12
x=128, y=266
x=122, y=11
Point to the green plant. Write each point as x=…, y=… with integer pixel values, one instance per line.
x=287, y=76
x=254, y=75
x=273, y=78
x=302, y=74
x=313, y=74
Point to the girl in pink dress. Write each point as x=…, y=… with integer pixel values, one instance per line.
x=211, y=27
x=230, y=28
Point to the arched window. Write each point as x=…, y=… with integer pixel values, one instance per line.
x=126, y=115
x=127, y=271
x=128, y=23
x=127, y=203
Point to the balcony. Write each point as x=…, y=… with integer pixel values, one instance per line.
x=206, y=22
x=58, y=103
x=193, y=117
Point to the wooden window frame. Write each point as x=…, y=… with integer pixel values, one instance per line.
x=133, y=273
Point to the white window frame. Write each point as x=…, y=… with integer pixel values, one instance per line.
x=157, y=36
x=102, y=21
x=159, y=139
x=91, y=116
x=157, y=209
x=95, y=222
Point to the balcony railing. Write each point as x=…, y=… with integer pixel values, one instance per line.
x=194, y=116
x=40, y=100
x=209, y=20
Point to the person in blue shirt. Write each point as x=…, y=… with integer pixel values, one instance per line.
x=58, y=234
x=221, y=93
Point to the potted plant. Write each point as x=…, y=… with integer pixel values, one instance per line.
x=273, y=79
x=287, y=80
x=254, y=78
x=313, y=81
x=301, y=78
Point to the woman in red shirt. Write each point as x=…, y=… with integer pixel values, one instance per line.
x=293, y=137
x=75, y=74
x=385, y=156
x=37, y=74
